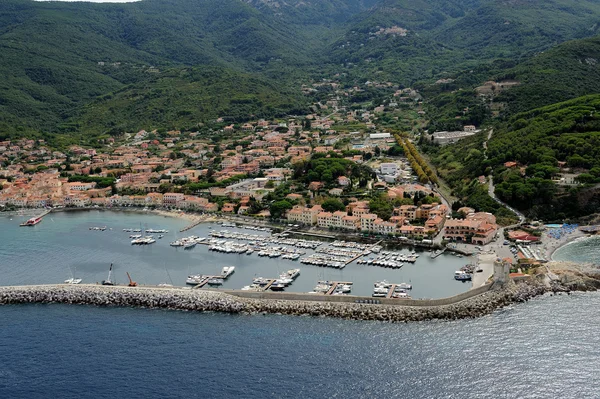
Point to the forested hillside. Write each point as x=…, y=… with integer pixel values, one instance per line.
x=66, y=66
x=183, y=98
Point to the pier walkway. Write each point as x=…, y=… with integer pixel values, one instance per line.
x=289, y=231
x=360, y=255
x=438, y=253
x=335, y=285
x=391, y=291
x=194, y=224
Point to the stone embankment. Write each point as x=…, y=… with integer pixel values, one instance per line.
x=563, y=279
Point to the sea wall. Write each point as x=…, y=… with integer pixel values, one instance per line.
x=204, y=300
x=297, y=296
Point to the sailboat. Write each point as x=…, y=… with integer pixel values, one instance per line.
x=108, y=281
x=72, y=280
x=166, y=284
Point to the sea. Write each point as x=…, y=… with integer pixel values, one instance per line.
x=545, y=348
x=583, y=250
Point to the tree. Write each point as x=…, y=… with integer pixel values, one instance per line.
x=278, y=208
x=333, y=205
x=270, y=184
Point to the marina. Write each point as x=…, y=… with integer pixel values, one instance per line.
x=66, y=242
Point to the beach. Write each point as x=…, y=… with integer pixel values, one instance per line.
x=552, y=244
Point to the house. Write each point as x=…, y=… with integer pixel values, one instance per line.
x=367, y=221
x=343, y=181
x=228, y=207
x=172, y=199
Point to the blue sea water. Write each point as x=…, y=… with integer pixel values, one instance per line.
x=585, y=250
x=546, y=348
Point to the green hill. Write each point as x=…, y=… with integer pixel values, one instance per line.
x=51, y=50
x=183, y=97
x=445, y=36
x=564, y=72
x=64, y=64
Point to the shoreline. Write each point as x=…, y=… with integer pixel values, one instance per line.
x=554, y=245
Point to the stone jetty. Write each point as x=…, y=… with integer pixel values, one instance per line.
x=563, y=280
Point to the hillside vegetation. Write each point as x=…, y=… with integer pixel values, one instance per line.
x=182, y=98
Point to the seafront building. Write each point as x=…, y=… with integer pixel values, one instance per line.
x=477, y=228
x=357, y=217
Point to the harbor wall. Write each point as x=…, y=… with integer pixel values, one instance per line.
x=471, y=305
x=292, y=296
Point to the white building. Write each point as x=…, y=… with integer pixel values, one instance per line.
x=375, y=136
x=388, y=168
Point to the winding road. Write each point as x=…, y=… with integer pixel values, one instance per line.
x=492, y=188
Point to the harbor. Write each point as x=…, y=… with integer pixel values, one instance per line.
x=65, y=242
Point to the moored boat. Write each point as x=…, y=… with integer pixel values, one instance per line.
x=32, y=221
x=108, y=280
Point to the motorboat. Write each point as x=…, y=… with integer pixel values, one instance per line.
x=215, y=281
x=404, y=286
x=227, y=271
x=382, y=284
x=381, y=290
x=194, y=279
x=277, y=286
x=463, y=277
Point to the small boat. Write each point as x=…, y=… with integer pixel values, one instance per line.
x=227, y=271
x=32, y=221
x=404, y=286
x=194, y=279
x=73, y=280
x=277, y=286
x=108, y=280
x=462, y=277
x=215, y=281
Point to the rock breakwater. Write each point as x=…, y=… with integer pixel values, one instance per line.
x=200, y=300
x=552, y=278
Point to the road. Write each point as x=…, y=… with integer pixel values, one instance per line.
x=492, y=189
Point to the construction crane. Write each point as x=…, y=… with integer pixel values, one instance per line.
x=131, y=282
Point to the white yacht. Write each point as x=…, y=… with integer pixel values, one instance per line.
x=227, y=271
x=194, y=279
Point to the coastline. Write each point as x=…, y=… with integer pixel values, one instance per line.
x=553, y=245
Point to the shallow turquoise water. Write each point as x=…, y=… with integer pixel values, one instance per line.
x=585, y=250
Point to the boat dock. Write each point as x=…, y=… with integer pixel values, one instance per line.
x=308, y=234
x=360, y=255
x=194, y=224
x=334, y=286
x=392, y=290
x=269, y=284
x=438, y=253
